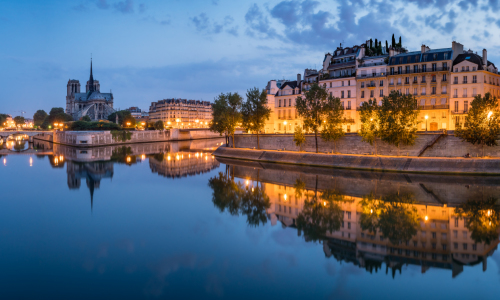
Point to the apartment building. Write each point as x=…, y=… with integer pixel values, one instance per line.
x=424, y=74
x=471, y=75
x=181, y=113
x=285, y=114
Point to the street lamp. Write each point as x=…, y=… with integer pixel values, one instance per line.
x=489, y=114
x=177, y=120
x=426, y=117
x=285, y=126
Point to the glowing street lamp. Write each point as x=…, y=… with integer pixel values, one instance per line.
x=489, y=115
x=426, y=117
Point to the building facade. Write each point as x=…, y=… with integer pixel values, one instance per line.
x=92, y=103
x=181, y=113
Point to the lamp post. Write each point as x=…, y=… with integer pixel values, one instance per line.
x=426, y=117
x=285, y=126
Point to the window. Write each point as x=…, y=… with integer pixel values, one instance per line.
x=381, y=93
x=342, y=83
x=399, y=80
x=381, y=83
x=465, y=246
x=349, y=215
x=434, y=66
x=423, y=78
x=289, y=102
x=474, y=247
x=362, y=94
x=279, y=101
x=443, y=89
x=342, y=94
x=444, y=77
x=423, y=91
x=407, y=80
x=434, y=90
x=433, y=235
x=392, y=70
x=348, y=94
x=348, y=225
x=348, y=104
x=464, y=93
x=348, y=82
x=456, y=106
x=474, y=92
x=464, y=233
x=455, y=93
x=362, y=84
x=407, y=91
x=330, y=84
x=455, y=80
x=400, y=70
x=445, y=57
x=466, y=106
x=424, y=67
x=474, y=78
x=284, y=102
x=371, y=94
x=465, y=79
x=415, y=68
x=415, y=91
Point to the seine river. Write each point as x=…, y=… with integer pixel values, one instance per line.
x=169, y=221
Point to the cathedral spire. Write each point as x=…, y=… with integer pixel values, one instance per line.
x=91, y=80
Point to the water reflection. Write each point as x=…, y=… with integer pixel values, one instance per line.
x=371, y=219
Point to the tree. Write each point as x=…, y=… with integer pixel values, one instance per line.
x=333, y=112
x=159, y=125
x=123, y=117
x=3, y=119
x=39, y=117
x=254, y=112
x=233, y=113
x=386, y=47
x=56, y=115
x=311, y=109
x=86, y=118
x=397, y=118
x=400, y=45
x=129, y=121
x=299, y=137
x=19, y=120
x=393, y=41
x=376, y=46
x=482, y=122
x=369, y=131
x=219, y=116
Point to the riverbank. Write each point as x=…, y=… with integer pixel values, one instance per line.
x=437, y=165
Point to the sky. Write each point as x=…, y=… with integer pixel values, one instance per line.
x=148, y=50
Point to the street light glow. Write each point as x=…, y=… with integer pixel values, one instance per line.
x=489, y=114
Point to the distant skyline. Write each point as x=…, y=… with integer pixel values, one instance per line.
x=147, y=50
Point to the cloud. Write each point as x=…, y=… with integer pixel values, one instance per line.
x=203, y=24
x=125, y=7
x=258, y=24
x=102, y=4
x=142, y=7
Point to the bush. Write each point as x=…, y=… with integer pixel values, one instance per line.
x=82, y=125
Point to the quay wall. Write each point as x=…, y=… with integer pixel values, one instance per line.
x=105, y=138
x=368, y=162
x=351, y=143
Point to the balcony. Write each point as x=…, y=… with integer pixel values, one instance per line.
x=423, y=94
x=442, y=69
x=372, y=75
x=455, y=82
x=348, y=108
x=391, y=84
x=341, y=65
x=348, y=120
x=371, y=85
x=444, y=93
x=407, y=83
x=464, y=95
x=415, y=81
x=399, y=83
x=440, y=106
x=458, y=112
x=464, y=82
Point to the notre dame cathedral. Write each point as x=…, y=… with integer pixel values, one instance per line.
x=92, y=103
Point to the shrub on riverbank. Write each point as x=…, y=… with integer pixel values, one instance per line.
x=83, y=126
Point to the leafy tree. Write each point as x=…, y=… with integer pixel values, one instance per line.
x=219, y=116
x=386, y=46
x=39, y=117
x=124, y=116
x=299, y=187
x=254, y=203
x=123, y=155
x=311, y=109
x=393, y=41
x=159, y=125
x=86, y=118
x=56, y=115
x=483, y=218
x=254, y=112
x=225, y=195
x=19, y=121
x=482, y=123
x=3, y=119
x=400, y=45
x=121, y=135
x=368, y=113
x=98, y=126
x=333, y=112
x=397, y=117
x=298, y=137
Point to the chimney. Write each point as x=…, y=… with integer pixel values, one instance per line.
x=391, y=52
x=298, y=79
x=424, y=48
x=485, y=58
x=457, y=49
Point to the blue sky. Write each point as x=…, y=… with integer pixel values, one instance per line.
x=146, y=50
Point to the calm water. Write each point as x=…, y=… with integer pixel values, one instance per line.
x=170, y=221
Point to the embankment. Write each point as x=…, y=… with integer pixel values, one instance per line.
x=475, y=166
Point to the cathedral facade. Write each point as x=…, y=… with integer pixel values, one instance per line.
x=92, y=103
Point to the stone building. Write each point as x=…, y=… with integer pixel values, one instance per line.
x=471, y=75
x=92, y=103
x=181, y=113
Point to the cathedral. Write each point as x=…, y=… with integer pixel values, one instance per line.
x=92, y=103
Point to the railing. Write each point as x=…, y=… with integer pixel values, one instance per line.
x=464, y=82
x=341, y=65
x=372, y=75
x=371, y=65
x=438, y=106
x=371, y=85
x=444, y=93
x=419, y=71
x=458, y=112
x=464, y=95
x=423, y=94
x=455, y=82
x=391, y=84
x=348, y=120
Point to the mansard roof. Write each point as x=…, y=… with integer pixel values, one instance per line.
x=418, y=56
x=291, y=84
x=473, y=58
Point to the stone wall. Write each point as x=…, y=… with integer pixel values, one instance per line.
x=368, y=162
x=445, y=146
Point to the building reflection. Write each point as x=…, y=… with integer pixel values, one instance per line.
x=172, y=160
x=374, y=219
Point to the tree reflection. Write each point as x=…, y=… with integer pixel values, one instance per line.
x=237, y=199
x=123, y=155
x=320, y=215
x=394, y=215
x=483, y=218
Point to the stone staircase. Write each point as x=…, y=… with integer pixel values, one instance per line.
x=429, y=144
